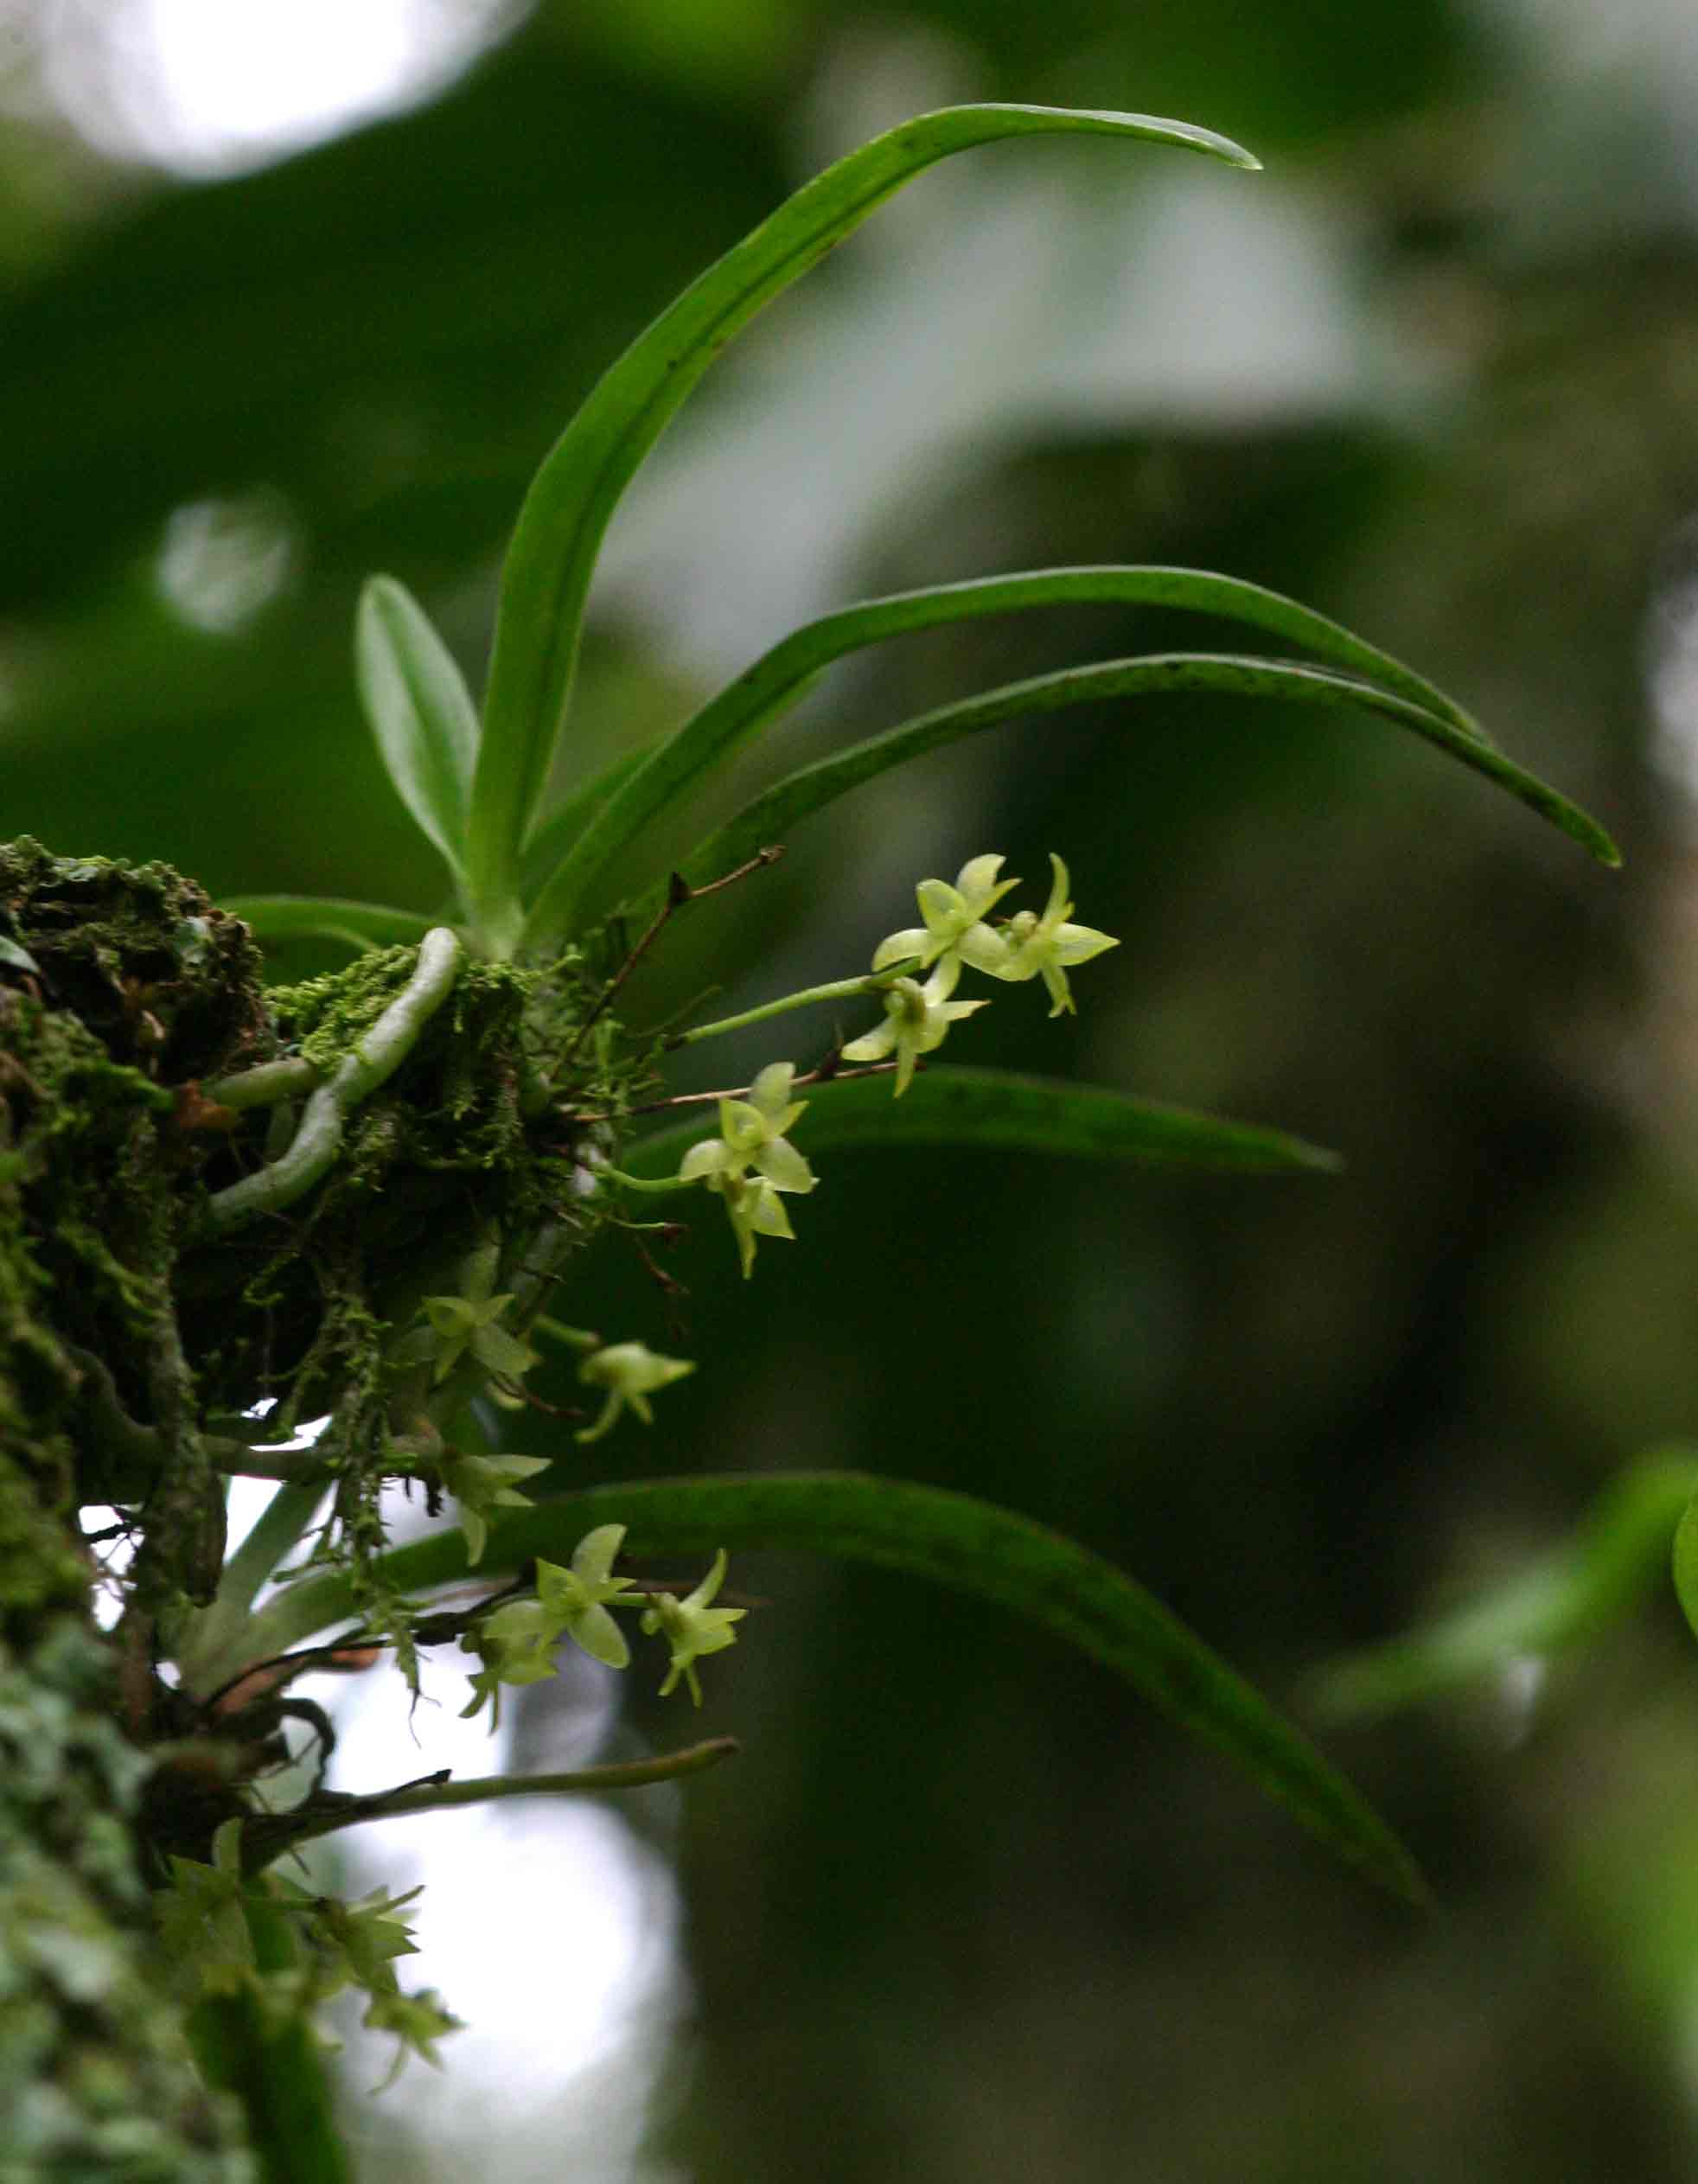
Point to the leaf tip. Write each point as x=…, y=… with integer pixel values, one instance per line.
x=1411, y=1886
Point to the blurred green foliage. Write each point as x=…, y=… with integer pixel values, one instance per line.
x=948, y=1925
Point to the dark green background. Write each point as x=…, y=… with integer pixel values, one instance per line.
x=964, y=1910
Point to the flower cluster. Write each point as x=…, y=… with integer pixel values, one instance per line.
x=208, y=1937
x=752, y=1161
x=955, y=932
x=450, y=1327
x=516, y=1642
x=1023, y=946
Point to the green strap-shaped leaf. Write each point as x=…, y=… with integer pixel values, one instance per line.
x=276, y=2072
x=323, y=917
x=771, y=817
x=764, y=691
x=1617, y=1556
x=573, y=496
x=420, y=713
x=954, y=1540
x=1001, y=1111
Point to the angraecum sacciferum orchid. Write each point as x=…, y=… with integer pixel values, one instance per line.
x=376, y=1199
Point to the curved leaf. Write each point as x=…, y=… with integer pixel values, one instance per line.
x=773, y=816
x=764, y=691
x=954, y=1540
x=573, y=496
x=1002, y=1111
x=1618, y=1553
x=1686, y=1561
x=420, y=713
x=324, y=917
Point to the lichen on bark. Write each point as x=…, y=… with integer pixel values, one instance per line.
x=96, y=2078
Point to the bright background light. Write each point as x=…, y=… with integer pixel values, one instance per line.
x=207, y=87
x=551, y=1926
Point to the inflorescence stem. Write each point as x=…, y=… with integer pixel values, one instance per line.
x=436, y=1794
x=840, y=989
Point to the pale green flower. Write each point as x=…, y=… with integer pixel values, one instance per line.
x=917, y=1020
x=950, y=913
x=418, y=2022
x=576, y=1600
x=1028, y=946
x=515, y=1645
x=693, y=1628
x=751, y=1135
x=516, y=1642
x=367, y=1936
x=480, y=1483
x=630, y=1372
x=470, y=1322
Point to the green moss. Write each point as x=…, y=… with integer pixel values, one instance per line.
x=120, y=988
x=321, y=1018
x=130, y=1326
x=141, y=957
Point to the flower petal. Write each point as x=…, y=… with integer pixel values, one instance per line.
x=783, y=1167
x=596, y=1552
x=943, y=908
x=500, y=1352
x=990, y=951
x=769, y=1217
x=770, y=1091
x=1057, y=906
x=595, y=1630
x=943, y=980
x=706, y=1159
x=913, y=940
x=875, y=1045
x=1078, y=944
x=980, y=885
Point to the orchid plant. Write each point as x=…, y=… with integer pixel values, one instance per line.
x=417, y=1333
